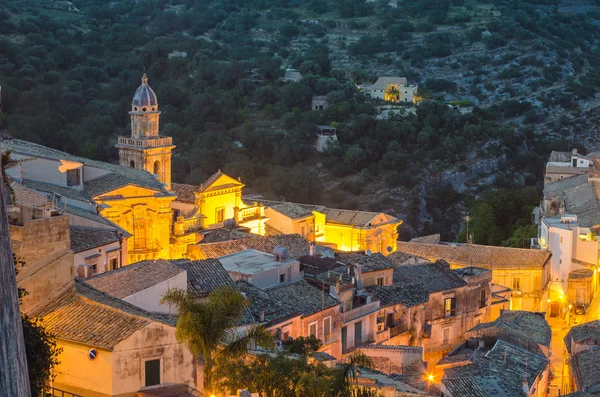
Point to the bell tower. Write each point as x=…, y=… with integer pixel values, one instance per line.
x=146, y=149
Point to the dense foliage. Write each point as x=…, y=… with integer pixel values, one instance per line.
x=68, y=73
x=283, y=375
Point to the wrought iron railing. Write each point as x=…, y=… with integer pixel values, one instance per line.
x=53, y=391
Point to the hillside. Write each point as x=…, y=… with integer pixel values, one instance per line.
x=530, y=69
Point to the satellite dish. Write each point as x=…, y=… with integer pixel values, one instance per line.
x=389, y=249
x=368, y=252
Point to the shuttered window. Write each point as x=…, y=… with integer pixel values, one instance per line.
x=152, y=368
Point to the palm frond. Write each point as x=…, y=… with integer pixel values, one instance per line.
x=258, y=335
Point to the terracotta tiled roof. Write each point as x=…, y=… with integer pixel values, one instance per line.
x=223, y=234
x=498, y=372
x=334, y=215
x=587, y=373
x=85, y=238
x=134, y=278
x=520, y=325
x=368, y=263
x=556, y=188
x=382, y=82
x=590, y=330
x=300, y=297
x=184, y=192
x=291, y=210
x=434, y=277
x=296, y=245
x=205, y=276
x=484, y=256
x=407, y=295
x=117, y=176
x=93, y=318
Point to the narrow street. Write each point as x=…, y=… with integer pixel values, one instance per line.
x=558, y=352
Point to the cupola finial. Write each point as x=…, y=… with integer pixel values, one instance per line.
x=144, y=79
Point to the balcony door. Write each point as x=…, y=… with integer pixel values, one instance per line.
x=357, y=333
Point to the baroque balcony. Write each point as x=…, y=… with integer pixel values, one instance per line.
x=150, y=142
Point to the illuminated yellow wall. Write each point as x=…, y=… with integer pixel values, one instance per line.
x=133, y=208
x=76, y=372
x=211, y=201
x=283, y=224
x=375, y=238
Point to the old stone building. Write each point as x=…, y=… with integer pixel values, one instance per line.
x=112, y=348
x=458, y=300
x=525, y=271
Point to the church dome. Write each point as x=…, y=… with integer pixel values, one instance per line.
x=144, y=95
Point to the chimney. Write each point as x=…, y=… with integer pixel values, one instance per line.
x=262, y=316
x=312, y=248
x=504, y=358
x=574, y=152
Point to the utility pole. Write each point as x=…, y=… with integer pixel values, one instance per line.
x=14, y=377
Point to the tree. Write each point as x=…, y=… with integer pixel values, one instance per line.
x=208, y=327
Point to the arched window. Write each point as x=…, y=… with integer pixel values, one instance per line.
x=132, y=164
x=156, y=167
x=139, y=234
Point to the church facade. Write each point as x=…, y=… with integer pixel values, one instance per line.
x=159, y=219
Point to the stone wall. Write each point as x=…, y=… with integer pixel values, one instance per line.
x=405, y=360
x=45, y=261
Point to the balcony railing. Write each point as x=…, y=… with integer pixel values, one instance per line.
x=249, y=213
x=53, y=391
x=360, y=311
x=398, y=329
x=192, y=224
x=160, y=141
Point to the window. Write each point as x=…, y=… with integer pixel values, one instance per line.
x=132, y=164
x=286, y=336
x=446, y=336
x=312, y=329
x=220, y=215
x=326, y=327
x=281, y=278
x=449, y=307
x=152, y=372
x=303, y=232
x=94, y=269
x=74, y=177
x=156, y=168
x=113, y=264
x=380, y=281
x=482, y=299
x=139, y=234
x=516, y=284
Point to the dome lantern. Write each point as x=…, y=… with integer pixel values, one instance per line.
x=144, y=99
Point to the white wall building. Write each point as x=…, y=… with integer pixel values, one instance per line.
x=261, y=269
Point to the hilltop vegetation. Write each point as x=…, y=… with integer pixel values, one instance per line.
x=68, y=71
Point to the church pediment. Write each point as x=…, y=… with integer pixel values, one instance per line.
x=128, y=191
x=219, y=181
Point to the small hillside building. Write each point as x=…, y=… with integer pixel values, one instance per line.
x=394, y=89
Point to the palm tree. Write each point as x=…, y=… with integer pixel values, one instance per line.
x=343, y=382
x=208, y=327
